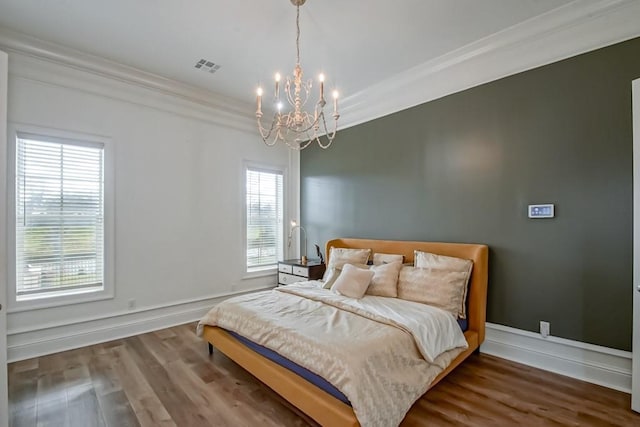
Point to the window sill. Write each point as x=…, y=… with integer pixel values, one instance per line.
x=58, y=301
x=271, y=272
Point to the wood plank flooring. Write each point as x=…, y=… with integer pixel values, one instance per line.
x=167, y=378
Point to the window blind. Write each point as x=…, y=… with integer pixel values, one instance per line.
x=265, y=211
x=59, y=216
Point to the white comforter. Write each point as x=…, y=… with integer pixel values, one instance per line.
x=381, y=353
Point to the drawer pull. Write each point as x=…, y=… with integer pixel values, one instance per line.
x=285, y=268
x=301, y=271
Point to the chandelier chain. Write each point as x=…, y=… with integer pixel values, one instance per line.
x=297, y=34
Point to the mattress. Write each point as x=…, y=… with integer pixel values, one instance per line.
x=314, y=379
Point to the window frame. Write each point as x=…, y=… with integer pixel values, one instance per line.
x=71, y=296
x=268, y=168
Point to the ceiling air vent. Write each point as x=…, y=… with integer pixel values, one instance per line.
x=208, y=66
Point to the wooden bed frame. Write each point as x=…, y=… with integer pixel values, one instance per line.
x=320, y=405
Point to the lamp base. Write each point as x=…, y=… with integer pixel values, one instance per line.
x=303, y=260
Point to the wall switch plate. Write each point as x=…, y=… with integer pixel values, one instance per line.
x=544, y=328
x=542, y=211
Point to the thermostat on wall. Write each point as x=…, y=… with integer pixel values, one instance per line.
x=541, y=211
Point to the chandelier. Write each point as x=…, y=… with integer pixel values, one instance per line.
x=296, y=126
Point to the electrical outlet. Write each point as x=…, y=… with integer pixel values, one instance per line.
x=544, y=328
x=131, y=304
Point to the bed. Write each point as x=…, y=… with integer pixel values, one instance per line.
x=316, y=402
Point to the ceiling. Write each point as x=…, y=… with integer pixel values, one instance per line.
x=354, y=43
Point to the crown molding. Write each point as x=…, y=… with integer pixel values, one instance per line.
x=53, y=64
x=578, y=27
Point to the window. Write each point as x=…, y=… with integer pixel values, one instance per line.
x=264, y=218
x=59, y=217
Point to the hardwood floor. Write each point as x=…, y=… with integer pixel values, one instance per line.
x=167, y=378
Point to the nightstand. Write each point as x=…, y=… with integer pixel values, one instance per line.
x=293, y=270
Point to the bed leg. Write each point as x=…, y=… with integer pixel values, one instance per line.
x=210, y=348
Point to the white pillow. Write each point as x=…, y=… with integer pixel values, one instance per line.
x=335, y=273
x=330, y=277
x=387, y=258
x=341, y=256
x=353, y=281
x=385, y=279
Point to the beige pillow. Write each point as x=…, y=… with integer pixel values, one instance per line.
x=387, y=258
x=330, y=277
x=455, y=271
x=385, y=279
x=335, y=272
x=353, y=281
x=341, y=256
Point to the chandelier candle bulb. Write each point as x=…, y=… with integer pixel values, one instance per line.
x=321, y=78
x=277, y=85
x=259, y=101
x=335, y=102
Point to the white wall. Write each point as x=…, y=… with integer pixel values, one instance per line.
x=178, y=200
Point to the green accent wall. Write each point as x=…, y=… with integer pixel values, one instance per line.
x=463, y=168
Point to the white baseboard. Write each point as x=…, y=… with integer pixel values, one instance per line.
x=592, y=363
x=51, y=339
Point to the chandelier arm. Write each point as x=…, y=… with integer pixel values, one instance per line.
x=307, y=90
x=289, y=94
x=311, y=125
x=287, y=89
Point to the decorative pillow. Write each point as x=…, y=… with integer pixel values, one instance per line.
x=341, y=256
x=335, y=272
x=451, y=270
x=353, y=281
x=330, y=277
x=387, y=258
x=385, y=279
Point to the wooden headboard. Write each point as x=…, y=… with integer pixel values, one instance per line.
x=479, y=254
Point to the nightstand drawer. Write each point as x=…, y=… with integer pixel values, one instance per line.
x=287, y=279
x=301, y=271
x=285, y=268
